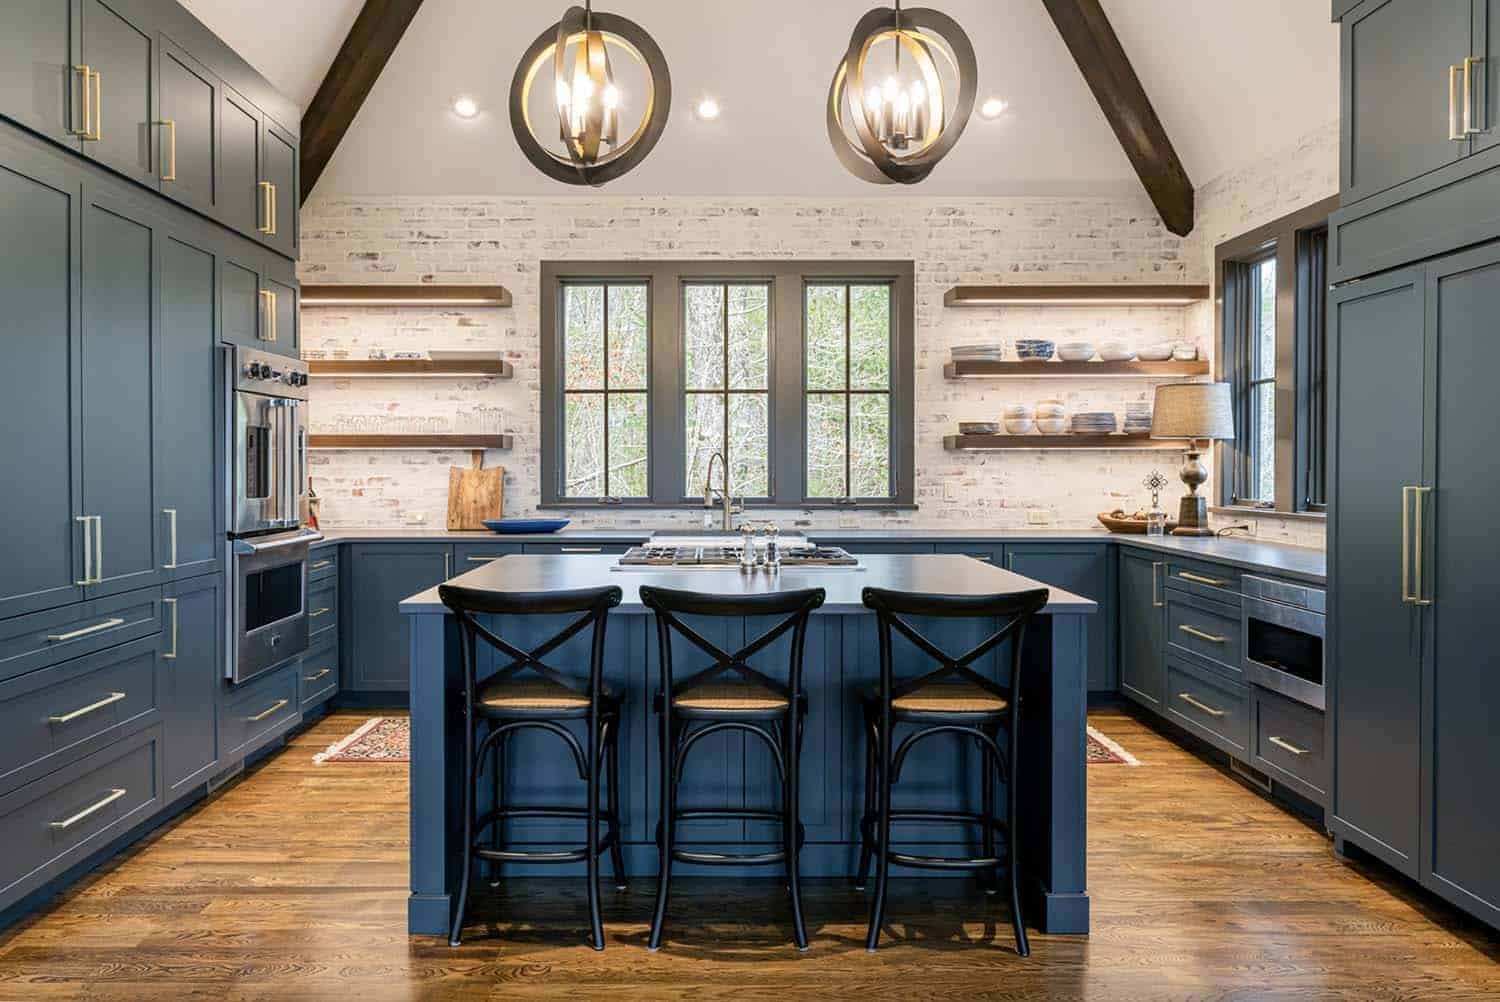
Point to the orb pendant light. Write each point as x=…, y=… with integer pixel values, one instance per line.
x=902, y=94
x=572, y=64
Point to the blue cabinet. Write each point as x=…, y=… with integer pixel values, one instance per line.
x=38, y=39
x=1142, y=611
x=192, y=657
x=380, y=575
x=121, y=55
x=1084, y=569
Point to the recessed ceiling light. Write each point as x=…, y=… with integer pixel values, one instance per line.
x=465, y=107
x=708, y=109
x=993, y=108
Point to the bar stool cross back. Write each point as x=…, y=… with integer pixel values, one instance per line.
x=529, y=693
x=712, y=701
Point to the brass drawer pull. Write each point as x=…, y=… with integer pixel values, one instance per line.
x=106, y=625
x=83, y=711
x=313, y=678
x=1156, y=599
x=172, y=655
x=318, y=612
x=480, y=560
x=265, y=208
x=1286, y=745
x=1469, y=127
x=266, y=713
x=170, y=174
x=1189, y=700
x=171, y=513
x=1190, y=576
x=320, y=565
x=582, y=549
x=101, y=805
x=1455, y=127
x=1201, y=635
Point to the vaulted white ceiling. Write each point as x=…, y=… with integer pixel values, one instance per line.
x=1232, y=81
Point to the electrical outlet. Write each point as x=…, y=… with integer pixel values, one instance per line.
x=1038, y=516
x=416, y=518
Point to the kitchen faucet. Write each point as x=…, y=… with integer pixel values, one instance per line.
x=730, y=509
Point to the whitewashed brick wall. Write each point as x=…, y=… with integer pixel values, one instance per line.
x=952, y=241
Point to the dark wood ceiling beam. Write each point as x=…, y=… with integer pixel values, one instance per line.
x=370, y=42
x=1106, y=68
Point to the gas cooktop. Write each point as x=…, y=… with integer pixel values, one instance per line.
x=660, y=556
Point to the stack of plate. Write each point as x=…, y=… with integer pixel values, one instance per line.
x=1034, y=349
x=1138, y=417
x=1094, y=423
x=978, y=428
x=992, y=352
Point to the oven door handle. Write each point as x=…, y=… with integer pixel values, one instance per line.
x=246, y=547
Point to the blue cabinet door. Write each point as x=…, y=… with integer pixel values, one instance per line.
x=241, y=203
x=286, y=318
x=378, y=640
x=1460, y=737
x=279, y=171
x=1376, y=362
x=119, y=304
x=1142, y=608
x=192, y=666
x=188, y=131
x=122, y=57
x=1486, y=86
x=38, y=86
x=41, y=549
x=1399, y=103
x=244, y=310
x=1084, y=569
x=187, y=448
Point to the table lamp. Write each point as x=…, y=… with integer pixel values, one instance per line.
x=1196, y=412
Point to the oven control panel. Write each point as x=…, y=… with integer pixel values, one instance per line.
x=272, y=375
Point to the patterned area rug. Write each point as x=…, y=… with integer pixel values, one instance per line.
x=379, y=739
x=1103, y=750
x=388, y=739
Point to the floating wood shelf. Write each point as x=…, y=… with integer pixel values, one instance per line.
x=977, y=369
x=1075, y=295
x=409, y=441
x=991, y=443
x=405, y=295
x=362, y=368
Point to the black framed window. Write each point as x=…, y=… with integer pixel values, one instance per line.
x=606, y=337
x=1273, y=295
x=847, y=341
x=727, y=385
x=800, y=372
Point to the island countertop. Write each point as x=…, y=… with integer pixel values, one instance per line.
x=940, y=574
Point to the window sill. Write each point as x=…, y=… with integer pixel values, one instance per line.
x=863, y=506
x=1245, y=512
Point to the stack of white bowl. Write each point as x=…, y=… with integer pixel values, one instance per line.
x=1075, y=351
x=1051, y=417
x=1116, y=351
x=1161, y=352
x=1018, y=419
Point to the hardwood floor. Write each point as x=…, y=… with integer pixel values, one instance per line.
x=292, y=885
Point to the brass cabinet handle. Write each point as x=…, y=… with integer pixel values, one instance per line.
x=1286, y=745
x=319, y=565
x=266, y=713
x=114, y=795
x=1469, y=127
x=1189, y=700
x=1190, y=576
x=171, y=514
x=318, y=612
x=1156, y=600
x=272, y=230
x=1406, y=545
x=275, y=320
x=1420, y=517
x=1455, y=128
x=86, y=74
x=88, y=551
x=170, y=174
x=98, y=548
x=582, y=549
x=83, y=711
x=447, y=566
x=1200, y=634
x=268, y=301
x=480, y=560
x=173, y=603
x=322, y=674
x=98, y=110
x=61, y=637
x=265, y=208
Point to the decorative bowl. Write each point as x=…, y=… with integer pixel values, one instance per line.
x=1155, y=353
x=508, y=526
x=1116, y=351
x=1034, y=349
x=1051, y=409
x=1019, y=426
x=1076, y=351
x=1184, y=352
x=1052, y=426
x=1118, y=521
x=1016, y=411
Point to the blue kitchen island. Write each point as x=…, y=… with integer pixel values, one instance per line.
x=841, y=659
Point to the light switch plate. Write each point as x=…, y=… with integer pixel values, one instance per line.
x=1038, y=516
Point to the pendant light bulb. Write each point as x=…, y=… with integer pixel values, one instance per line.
x=611, y=96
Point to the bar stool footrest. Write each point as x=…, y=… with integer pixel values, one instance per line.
x=729, y=858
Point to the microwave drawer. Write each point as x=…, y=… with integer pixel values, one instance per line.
x=48, y=825
x=53, y=716
x=1215, y=708
x=1288, y=743
x=1204, y=629
x=45, y=638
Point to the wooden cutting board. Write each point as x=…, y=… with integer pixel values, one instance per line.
x=475, y=494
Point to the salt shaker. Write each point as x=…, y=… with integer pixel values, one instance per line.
x=773, y=548
x=747, y=547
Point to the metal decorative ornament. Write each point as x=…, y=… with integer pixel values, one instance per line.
x=897, y=131
x=572, y=59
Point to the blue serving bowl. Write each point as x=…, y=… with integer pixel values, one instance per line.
x=1030, y=349
x=511, y=526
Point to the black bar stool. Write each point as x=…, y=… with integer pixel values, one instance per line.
x=709, y=702
x=953, y=699
x=508, y=701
